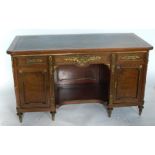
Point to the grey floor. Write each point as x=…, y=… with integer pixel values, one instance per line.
x=78, y=115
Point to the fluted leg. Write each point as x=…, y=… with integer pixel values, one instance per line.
x=53, y=115
x=140, y=107
x=109, y=110
x=20, y=115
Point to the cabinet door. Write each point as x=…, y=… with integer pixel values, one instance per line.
x=33, y=85
x=128, y=83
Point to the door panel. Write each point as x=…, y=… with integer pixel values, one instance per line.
x=34, y=88
x=128, y=83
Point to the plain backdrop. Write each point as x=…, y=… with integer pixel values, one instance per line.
x=22, y=17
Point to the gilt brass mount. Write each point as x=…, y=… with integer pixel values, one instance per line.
x=130, y=57
x=82, y=60
x=34, y=61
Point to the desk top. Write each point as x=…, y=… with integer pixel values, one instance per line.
x=104, y=42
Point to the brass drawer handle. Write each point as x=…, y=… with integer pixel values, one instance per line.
x=118, y=67
x=130, y=57
x=20, y=71
x=81, y=60
x=34, y=61
x=44, y=71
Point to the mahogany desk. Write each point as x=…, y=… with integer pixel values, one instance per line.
x=53, y=70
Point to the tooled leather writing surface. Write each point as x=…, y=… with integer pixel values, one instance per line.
x=78, y=41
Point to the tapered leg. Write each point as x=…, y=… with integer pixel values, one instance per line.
x=109, y=110
x=20, y=115
x=53, y=115
x=140, y=107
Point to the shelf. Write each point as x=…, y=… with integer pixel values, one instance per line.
x=84, y=93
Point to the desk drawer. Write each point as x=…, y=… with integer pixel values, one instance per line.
x=126, y=57
x=32, y=60
x=82, y=60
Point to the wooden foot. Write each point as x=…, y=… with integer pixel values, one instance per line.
x=20, y=115
x=140, y=107
x=53, y=115
x=109, y=111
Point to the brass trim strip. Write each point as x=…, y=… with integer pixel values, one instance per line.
x=51, y=69
x=112, y=79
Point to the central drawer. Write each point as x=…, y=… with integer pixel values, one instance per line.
x=82, y=60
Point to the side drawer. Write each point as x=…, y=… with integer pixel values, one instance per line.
x=131, y=57
x=32, y=60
